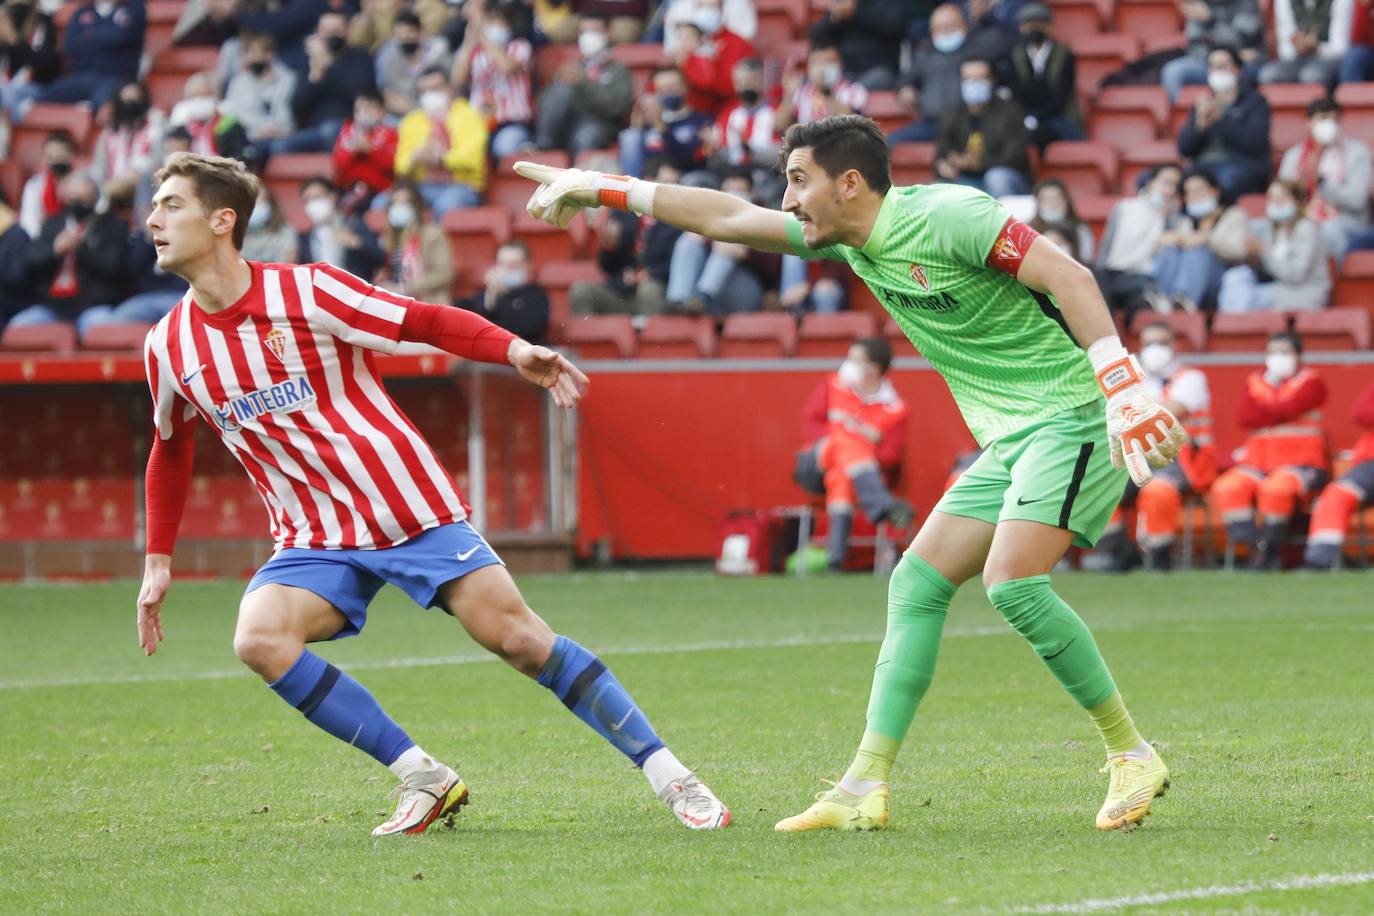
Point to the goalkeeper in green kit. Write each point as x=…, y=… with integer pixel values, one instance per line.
x=1005, y=318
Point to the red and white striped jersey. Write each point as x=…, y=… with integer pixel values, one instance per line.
x=505, y=97
x=286, y=377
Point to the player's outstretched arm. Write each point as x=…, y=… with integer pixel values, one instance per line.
x=549, y=369
x=1142, y=433
x=564, y=192
x=157, y=578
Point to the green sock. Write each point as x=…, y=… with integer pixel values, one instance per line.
x=917, y=601
x=1115, y=723
x=1057, y=635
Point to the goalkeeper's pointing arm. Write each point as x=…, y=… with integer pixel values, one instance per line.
x=563, y=192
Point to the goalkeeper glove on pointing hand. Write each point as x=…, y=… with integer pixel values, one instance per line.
x=562, y=193
x=1142, y=433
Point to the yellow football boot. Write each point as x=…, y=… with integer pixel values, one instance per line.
x=1135, y=784
x=836, y=809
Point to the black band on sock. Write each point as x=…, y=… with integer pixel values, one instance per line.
x=316, y=696
x=584, y=680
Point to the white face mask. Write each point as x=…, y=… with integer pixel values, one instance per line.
x=1155, y=358
x=400, y=215
x=197, y=108
x=319, y=210
x=497, y=34
x=1280, y=366
x=434, y=102
x=1221, y=81
x=830, y=75
x=948, y=43
x=513, y=277
x=1201, y=209
x=1325, y=131
x=591, y=44
x=1052, y=214
x=1281, y=213
x=851, y=374
x=260, y=216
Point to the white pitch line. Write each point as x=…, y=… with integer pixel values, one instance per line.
x=1296, y=883
x=785, y=642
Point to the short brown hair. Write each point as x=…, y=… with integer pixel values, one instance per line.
x=219, y=182
x=840, y=143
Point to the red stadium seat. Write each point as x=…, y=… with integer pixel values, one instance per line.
x=913, y=163
x=677, y=337
x=1183, y=107
x=1148, y=18
x=642, y=60
x=1152, y=44
x=1333, y=329
x=890, y=114
x=1355, y=284
x=48, y=338
x=1247, y=332
x=549, y=58
x=1126, y=116
x=26, y=142
x=901, y=344
x=832, y=335
x=474, y=235
x=284, y=175
x=1252, y=204
x=1074, y=19
x=1099, y=55
x=758, y=335
x=600, y=336
x=1190, y=329
x=1357, y=119
x=167, y=79
x=549, y=243
x=1085, y=167
x=1288, y=112
x=1144, y=157
x=116, y=337
x=162, y=22
x=1094, y=209
x=798, y=11
x=509, y=191
x=557, y=278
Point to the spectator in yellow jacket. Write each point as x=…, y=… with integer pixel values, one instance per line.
x=442, y=147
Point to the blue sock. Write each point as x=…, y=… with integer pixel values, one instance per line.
x=581, y=681
x=343, y=707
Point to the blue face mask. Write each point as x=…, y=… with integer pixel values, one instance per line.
x=1201, y=209
x=948, y=43
x=975, y=92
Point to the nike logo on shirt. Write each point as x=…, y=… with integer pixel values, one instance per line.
x=463, y=556
x=186, y=377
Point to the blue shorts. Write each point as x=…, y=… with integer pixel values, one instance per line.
x=350, y=579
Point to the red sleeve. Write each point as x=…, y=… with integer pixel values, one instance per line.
x=1360, y=32
x=1010, y=248
x=1257, y=411
x=1364, y=408
x=457, y=331
x=816, y=414
x=166, y=484
x=383, y=156
x=893, y=444
x=341, y=158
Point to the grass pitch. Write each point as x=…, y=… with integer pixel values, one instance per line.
x=181, y=784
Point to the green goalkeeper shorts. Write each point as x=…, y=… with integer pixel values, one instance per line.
x=1057, y=471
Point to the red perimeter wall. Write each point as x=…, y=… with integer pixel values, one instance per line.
x=664, y=455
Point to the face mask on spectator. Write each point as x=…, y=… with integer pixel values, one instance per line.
x=128, y=110
x=707, y=18
x=851, y=374
x=1201, y=209
x=408, y=48
x=400, y=215
x=1052, y=214
x=749, y=96
x=948, y=43
x=670, y=102
x=1325, y=131
x=830, y=76
x=1037, y=36
x=319, y=210
x=262, y=213
x=434, y=102
x=1221, y=81
x=513, y=277
x=1281, y=213
x=199, y=108
x=976, y=92
x=335, y=43
x=591, y=44
x=60, y=168
x=258, y=67
x=1280, y=366
x=1156, y=357
x=366, y=121
x=1157, y=199
x=80, y=210
x=497, y=34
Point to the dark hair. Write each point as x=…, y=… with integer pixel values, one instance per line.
x=406, y=18
x=1297, y=189
x=1290, y=338
x=822, y=43
x=220, y=183
x=1206, y=175
x=320, y=180
x=1324, y=105
x=839, y=143
x=738, y=171
x=1068, y=231
x=878, y=350
x=751, y=63
x=371, y=95
x=1231, y=52
x=63, y=136
x=979, y=59
x=665, y=68
x=1069, y=212
x=257, y=38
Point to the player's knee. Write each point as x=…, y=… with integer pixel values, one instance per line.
x=266, y=652
x=526, y=646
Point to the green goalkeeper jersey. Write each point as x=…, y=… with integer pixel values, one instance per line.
x=1000, y=346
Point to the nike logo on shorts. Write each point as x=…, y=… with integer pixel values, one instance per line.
x=463, y=556
x=1022, y=501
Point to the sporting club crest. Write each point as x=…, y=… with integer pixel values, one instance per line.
x=918, y=273
x=275, y=342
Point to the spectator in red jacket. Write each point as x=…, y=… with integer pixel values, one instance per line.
x=1285, y=457
x=1358, y=64
x=365, y=154
x=1340, y=500
x=855, y=424
x=707, y=53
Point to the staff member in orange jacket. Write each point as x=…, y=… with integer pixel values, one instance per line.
x=1340, y=500
x=1285, y=457
x=856, y=423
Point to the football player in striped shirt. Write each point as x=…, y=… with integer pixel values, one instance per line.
x=1022, y=337
x=277, y=359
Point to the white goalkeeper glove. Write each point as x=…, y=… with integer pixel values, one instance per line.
x=563, y=193
x=1142, y=433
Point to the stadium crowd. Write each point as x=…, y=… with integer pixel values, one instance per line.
x=411, y=112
